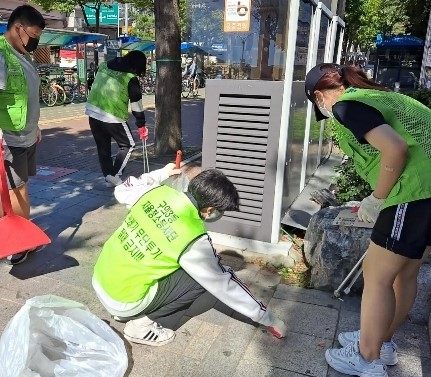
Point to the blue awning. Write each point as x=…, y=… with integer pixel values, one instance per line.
x=139, y=45
x=399, y=41
x=56, y=37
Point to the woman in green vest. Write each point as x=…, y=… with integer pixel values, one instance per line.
x=388, y=137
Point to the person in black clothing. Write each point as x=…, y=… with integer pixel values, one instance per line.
x=116, y=83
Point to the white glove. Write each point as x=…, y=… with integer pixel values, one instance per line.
x=171, y=170
x=278, y=328
x=370, y=208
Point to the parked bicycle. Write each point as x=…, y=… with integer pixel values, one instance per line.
x=68, y=80
x=190, y=85
x=50, y=92
x=148, y=84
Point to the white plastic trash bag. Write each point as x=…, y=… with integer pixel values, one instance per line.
x=52, y=336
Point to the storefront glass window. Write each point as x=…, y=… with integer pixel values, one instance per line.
x=302, y=40
x=324, y=28
x=254, y=50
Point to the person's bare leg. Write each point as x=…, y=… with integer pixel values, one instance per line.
x=381, y=267
x=405, y=288
x=20, y=201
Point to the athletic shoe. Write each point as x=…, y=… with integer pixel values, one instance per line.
x=119, y=319
x=348, y=360
x=113, y=181
x=145, y=331
x=388, y=352
x=20, y=257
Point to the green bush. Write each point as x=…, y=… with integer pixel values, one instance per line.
x=349, y=185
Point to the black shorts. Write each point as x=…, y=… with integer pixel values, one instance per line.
x=20, y=164
x=404, y=229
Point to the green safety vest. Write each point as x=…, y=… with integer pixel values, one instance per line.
x=412, y=121
x=14, y=98
x=109, y=91
x=148, y=244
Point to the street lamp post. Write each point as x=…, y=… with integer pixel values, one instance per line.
x=243, y=40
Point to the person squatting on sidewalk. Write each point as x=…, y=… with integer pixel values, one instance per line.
x=388, y=137
x=20, y=108
x=161, y=259
x=116, y=83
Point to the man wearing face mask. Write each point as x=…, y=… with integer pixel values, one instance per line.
x=19, y=107
x=161, y=259
x=116, y=83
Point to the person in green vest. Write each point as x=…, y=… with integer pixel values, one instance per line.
x=20, y=108
x=388, y=137
x=115, y=85
x=161, y=258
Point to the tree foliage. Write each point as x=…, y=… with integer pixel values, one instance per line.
x=367, y=18
x=68, y=6
x=417, y=12
x=144, y=17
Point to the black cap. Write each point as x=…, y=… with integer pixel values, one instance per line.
x=312, y=78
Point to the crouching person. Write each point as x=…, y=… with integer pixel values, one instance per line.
x=161, y=259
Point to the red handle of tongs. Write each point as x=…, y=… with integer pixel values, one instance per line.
x=178, y=159
x=4, y=191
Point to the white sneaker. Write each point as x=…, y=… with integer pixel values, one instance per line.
x=388, y=352
x=349, y=361
x=113, y=181
x=151, y=334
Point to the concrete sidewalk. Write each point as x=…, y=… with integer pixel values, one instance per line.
x=79, y=213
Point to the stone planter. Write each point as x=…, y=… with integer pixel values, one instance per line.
x=333, y=250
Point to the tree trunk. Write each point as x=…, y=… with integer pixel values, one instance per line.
x=168, y=78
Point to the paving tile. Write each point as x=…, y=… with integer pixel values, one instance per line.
x=411, y=366
x=227, y=350
x=202, y=342
x=184, y=336
x=248, y=368
x=413, y=340
x=297, y=353
x=420, y=312
x=156, y=363
x=310, y=296
x=9, y=309
x=19, y=290
x=248, y=273
x=313, y=320
x=348, y=321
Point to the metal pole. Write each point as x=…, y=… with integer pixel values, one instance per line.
x=426, y=56
x=126, y=19
x=118, y=22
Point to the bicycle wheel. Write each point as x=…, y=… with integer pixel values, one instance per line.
x=61, y=94
x=48, y=95
x=185, y=88
x=69, y=91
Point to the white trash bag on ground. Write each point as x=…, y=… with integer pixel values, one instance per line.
x=51, y=336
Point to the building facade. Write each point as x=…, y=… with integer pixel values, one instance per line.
x=53, y=19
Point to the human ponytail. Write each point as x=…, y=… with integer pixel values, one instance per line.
x=354, y=76
x=337, y=76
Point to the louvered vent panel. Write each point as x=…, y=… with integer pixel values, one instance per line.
x=242, y=139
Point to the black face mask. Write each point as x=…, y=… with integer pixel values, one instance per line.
x=31, y=44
